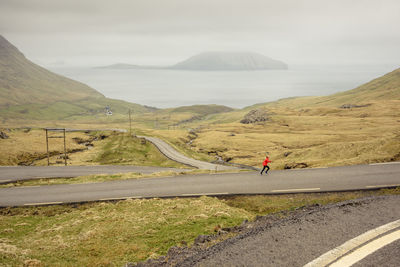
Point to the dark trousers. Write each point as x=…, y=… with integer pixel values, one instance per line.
x=264, y=169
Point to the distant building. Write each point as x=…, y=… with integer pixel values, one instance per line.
x=108, y=111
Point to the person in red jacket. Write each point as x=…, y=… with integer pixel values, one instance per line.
x=265, y=164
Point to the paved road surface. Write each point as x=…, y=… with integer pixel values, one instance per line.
x=171, y=153
x=305, y=236
x=18, y=173
x=286, y=181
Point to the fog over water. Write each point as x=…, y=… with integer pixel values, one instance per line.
x=328, y=45
x=159, y=32
x=172, y=88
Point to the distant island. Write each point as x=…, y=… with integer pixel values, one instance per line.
x=229, y=61
x=216, y=61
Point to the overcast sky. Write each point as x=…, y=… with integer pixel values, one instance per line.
x=162, y=32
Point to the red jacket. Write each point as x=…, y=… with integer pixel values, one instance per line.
x=266, y=161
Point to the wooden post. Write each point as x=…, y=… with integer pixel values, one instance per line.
x=47, y=147
x=65, y=151
x=130, y=123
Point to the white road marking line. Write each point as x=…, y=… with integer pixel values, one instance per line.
x=295, y=190
x=5, y=181
x=42, y=203
x=364, y=251
x=28, y=186
x=341, y=250
x=112, y=198
x=385, y=163
x=205, y=194
x=119, y=198
x=382, y=185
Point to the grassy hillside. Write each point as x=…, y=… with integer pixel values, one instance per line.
x=28, y=147
x=87, y=109
x=306, y=131
x=31, y=92
x=23, y=82
x=384, y=88
x=201, y=109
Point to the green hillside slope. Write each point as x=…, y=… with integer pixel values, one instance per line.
x=29, y=91
x=201, y=109
x=384, y=88
x=23, y=82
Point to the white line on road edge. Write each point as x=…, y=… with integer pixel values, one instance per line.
x=382, y=185
x=295, y=190
x=341, y=250
x=42, y=203
x=205, y=194
x=364, y=251
x=119, y=198
x=5, y=181
x=385, y=163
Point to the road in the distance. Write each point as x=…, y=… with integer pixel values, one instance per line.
x=172, y=154
x=287, y=181
x=18, y=173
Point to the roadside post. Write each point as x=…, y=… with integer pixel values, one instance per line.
x=47, y=147
x=59, y=136
x=130, y=123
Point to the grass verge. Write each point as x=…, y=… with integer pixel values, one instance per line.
x=28, y=147
x=114, y=233
x=98, y=178
x=266, y=204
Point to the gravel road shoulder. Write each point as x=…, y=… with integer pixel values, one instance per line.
x=294, y=240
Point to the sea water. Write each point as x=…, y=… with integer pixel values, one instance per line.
x=164, y=88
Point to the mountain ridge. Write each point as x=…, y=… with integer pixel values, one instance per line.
x=24, y=82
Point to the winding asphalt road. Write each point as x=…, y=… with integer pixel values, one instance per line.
x=276, y=182
x=172, y=154
x=9, y=174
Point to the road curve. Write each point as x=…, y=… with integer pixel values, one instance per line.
x=172, y=154
x=358, y=177
x=9, y=174
x=344, y=233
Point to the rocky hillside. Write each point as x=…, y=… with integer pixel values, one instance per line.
x=229, y=61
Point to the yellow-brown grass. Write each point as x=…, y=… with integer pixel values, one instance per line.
x=315, y=136
x=26, y=146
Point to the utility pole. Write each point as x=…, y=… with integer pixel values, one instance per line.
x=47, y=147
x=130, y=123
x=65, y=151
